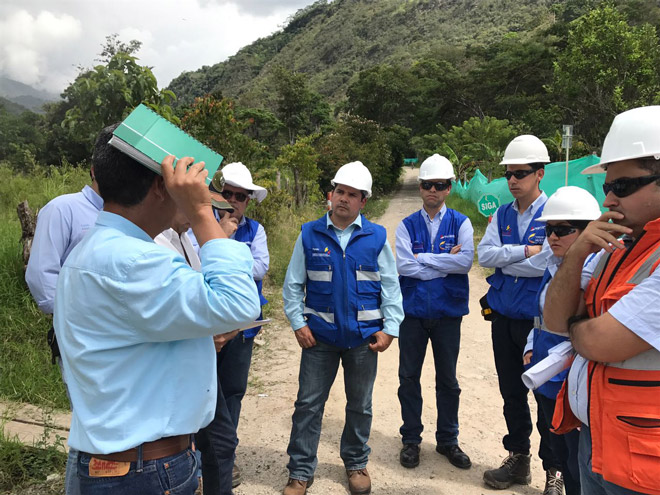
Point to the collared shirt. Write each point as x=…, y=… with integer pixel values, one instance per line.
x=428, y=266
x=134, y=325
x=182, y=244
x=511, y=257
x=61, y=224
x=293, y=290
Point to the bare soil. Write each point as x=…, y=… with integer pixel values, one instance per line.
x=267, y=408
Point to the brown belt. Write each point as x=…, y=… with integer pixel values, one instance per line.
x=157, y=449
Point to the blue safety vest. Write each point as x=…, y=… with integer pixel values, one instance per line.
x=246, y=233
x=515, y=297
x=443, y=296
x=543, y=342
x=342, y=302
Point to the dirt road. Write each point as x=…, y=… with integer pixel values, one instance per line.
x=266, y=416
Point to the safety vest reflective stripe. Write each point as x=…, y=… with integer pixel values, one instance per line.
x=645, y=270
x=369, y=314
x=327, y=317
x=319, y=276
x=363, y=275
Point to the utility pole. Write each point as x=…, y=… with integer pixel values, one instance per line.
x=566, y=143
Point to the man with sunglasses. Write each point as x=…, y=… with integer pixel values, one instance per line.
x=434, y=253
x=218, y=441
x=612, y=391
x=513, y=245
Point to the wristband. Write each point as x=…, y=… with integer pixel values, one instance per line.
x=574, y=319
x=526, y=251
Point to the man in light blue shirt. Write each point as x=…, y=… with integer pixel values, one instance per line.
x=434, y=253
x=342, y=297
x=135, y=325
x=61, y=224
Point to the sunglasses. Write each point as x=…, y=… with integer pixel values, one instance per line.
x=559, y=230
x=439, y=186
x=626, y=186
x=240, y=197
x=518, y=174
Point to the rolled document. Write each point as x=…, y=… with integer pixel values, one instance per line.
x=559, y=358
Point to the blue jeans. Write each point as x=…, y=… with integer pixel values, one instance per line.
x=218, y=441
x=71, y=482
x=590, y=482
x=318, y=369
x=175, y=475
x=445, y=337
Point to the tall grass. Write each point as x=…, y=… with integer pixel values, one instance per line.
x=479, y=222
x=26, y=372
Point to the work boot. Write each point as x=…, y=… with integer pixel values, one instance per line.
x=514, y=469
x=297, y=487
x=409, y=456
x=359, y=482
x=236, y=476
x=455, y=455
x=554, y=482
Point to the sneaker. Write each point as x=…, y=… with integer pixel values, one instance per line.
x=409, y=455
x=514, y=469
x=455, y=455
x=554, y=482
x=359, y=482
x=236, y=476
x=297, y=487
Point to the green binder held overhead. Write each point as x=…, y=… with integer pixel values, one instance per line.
x=148, y=138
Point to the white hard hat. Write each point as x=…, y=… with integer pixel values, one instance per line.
x=354, y=174
x=238, y=175
x=570, y=203
x=633, y=134
x=525, y=149
x=436, y=167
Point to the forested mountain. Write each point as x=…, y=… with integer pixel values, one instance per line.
x=24, y=95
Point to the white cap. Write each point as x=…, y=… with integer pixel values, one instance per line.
x=354, y=174
x=633, y=134
x=570, y=203
x=525, y=149
x=436, y=167
x=238, y=175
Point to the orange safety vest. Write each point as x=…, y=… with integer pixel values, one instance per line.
x=624, y=398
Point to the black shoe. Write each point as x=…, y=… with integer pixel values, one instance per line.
x=409, y=456
x=514, y=469
x=455, y=455
x=236, y=476
x=554, y=482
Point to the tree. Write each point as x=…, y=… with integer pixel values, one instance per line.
x=608, y=66
x=300, y=109
x=300, y=159
x=213, y=121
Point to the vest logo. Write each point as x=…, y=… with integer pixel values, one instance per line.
x=507, y=231
x=325, y=254
x=533, y=238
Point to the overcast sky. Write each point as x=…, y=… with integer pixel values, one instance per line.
x=42, y=42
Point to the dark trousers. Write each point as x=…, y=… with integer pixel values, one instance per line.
x=564, y=447
x=509, y=339
x=218, y=441
x=445, y=337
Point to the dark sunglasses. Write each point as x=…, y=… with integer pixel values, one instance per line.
x=439, y=186
x=626, y=186
x=559, y=230
x=240, y=197
x=518, y=174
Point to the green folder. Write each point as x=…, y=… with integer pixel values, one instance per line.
x=148, y=138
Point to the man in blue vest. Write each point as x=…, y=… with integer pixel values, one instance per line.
x=513, y=245
x=434, y=253
x=218, y=441
x=342, y=297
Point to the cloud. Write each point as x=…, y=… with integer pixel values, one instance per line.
x=260, y=8
x=44, y=43
x=27, y=43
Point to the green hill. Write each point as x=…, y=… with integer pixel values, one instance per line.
x=333, y=42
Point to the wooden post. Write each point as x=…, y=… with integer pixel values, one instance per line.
x=28, y=221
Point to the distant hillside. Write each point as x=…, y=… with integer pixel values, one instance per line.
x=334, y=41
x=11, y=107
x=24, y=95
